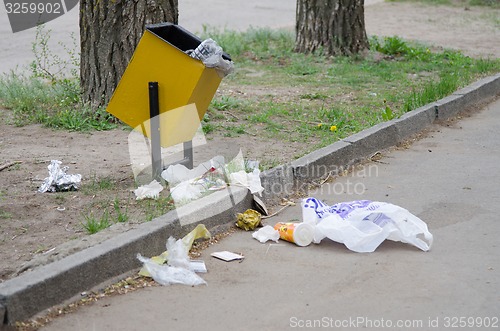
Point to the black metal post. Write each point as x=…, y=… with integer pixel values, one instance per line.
x=188, y=154
x=154, y=115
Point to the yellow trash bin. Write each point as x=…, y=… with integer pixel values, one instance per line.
x=184, y=83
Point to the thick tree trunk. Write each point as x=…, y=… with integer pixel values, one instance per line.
x=334, y=27
x=109, y=33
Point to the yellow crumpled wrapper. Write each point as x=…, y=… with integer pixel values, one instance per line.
x=200, y=231
x=248, y=220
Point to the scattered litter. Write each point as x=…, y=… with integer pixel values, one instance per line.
x=227, y=256
x=249, y=180
x=211, y=55
x=363, y=225
x=61, y=208
x=58, y=180
x=249, y=220
x=178, y=173
x=187, y=185
x=151, y=191
x=260, y=206
x=301, y=234
x=200, y=231
x=266, y=233
x=190, y=184
x=198, y=266
x=167, y=275
x=179, y=269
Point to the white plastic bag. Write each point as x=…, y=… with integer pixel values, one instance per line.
x=178, y=173
x=167, y=275
x=178, y=270
x=363, y=225
x=211, y=55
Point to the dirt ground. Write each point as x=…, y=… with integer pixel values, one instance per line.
x=36, y=228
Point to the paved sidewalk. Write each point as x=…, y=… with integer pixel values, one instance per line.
x=449, y=179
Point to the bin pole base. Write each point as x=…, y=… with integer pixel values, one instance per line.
x=188, y=154
x=154, y=115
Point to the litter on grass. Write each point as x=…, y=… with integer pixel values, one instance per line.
x=58, y=180
x=191, y=184
x=151, y=191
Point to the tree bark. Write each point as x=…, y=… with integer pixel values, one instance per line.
x=109, y=32
x=334, y=27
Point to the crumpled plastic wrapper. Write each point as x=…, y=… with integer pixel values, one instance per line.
x=58, y=180
x=151, y=191
x=200, y=231
x=249, y=220
x=211, y=55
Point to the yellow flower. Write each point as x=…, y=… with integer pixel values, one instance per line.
x=320, y=125
x=333, y=128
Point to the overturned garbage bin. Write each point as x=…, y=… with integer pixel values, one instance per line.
x=163, y=79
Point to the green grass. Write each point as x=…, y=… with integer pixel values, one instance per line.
x=156, y=208
x=121, y=215
x=407, y=75
x=5, y=215
x=50, y=93
x=306, y=95
x=96, y=184
x=93, y=224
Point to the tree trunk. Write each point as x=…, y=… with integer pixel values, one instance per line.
x=109, y=32
x=334, y=27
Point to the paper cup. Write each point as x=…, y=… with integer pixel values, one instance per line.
x=300, y=234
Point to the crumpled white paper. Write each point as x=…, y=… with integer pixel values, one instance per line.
x=249, y=180
x=151, y=191
x=266, y=233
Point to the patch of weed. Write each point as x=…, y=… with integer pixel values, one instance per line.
x=93, y=224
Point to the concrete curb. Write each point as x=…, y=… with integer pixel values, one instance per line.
x=52, y=284
x=341, y=155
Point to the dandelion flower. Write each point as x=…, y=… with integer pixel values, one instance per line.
x=320, y=125
x=333, y=128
